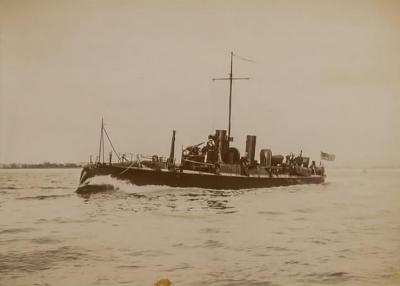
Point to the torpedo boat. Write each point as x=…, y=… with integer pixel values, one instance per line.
x=212, y=164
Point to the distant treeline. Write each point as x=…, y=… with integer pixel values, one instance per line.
x=45, y=165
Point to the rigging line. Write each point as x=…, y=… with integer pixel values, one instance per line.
x=103, y=147
x=244, y=59
x=127, y=168
x=112, y=146
x=200, y=163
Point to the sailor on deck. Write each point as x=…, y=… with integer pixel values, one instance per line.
x=313, y=168
x=209, y=150
x=244, y=165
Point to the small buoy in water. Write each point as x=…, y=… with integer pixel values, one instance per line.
x=163, y=282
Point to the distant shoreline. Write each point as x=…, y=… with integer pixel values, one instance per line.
x=26, y=168
x=40, y=166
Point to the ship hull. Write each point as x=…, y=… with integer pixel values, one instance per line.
x=145, y=176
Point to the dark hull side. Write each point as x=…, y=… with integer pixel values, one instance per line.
x=142, y=176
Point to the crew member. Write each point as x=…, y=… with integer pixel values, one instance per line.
x=210, y=143
x=244, y=165
x=313, y=167
x=291, y=158
x=209, y=150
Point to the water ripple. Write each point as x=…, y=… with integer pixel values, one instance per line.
x=15, y=261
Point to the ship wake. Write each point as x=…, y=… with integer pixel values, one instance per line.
x=102, y=184
x=99, y=184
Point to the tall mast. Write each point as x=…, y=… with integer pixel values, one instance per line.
x=101, y=141
x=102, y=136
x=230, y=96
x=231, y=79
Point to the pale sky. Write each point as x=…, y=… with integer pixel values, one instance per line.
x=326, y=77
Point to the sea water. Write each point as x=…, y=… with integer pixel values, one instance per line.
x=344, y=232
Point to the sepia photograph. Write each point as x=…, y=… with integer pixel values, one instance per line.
x=199, y=142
